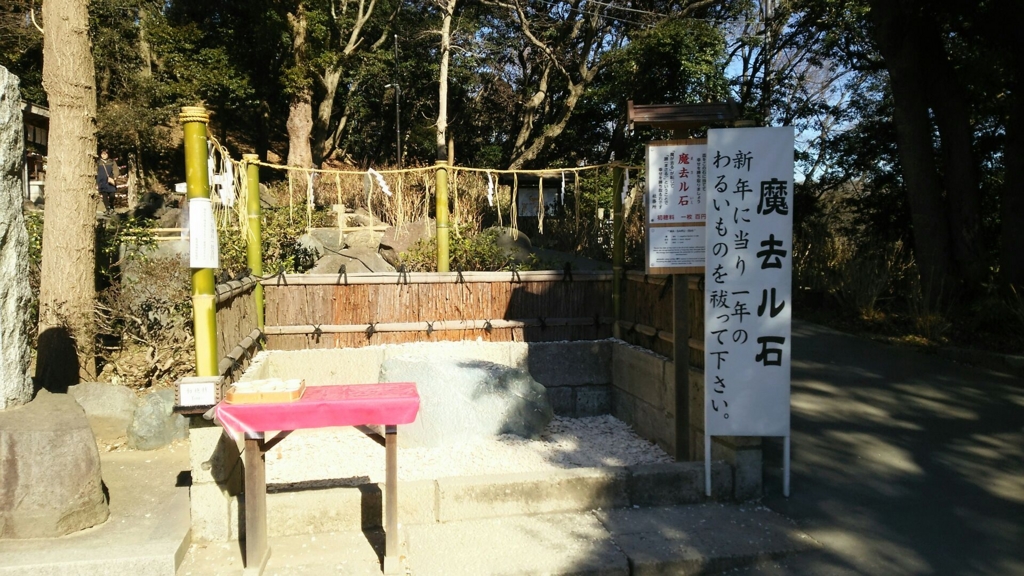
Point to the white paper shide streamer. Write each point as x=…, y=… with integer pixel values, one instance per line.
x=562, y=199
x=625, y=186
x=490, y=190
x=380, y=180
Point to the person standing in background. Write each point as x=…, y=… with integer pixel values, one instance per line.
x=106, y=172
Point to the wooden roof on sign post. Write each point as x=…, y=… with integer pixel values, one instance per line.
x=681, y=116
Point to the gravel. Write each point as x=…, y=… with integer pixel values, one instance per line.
x=347, y=457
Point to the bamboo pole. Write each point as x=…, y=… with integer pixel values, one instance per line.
x=254, y=239
x=204, y=306
x=618, y=247
x=442, y=215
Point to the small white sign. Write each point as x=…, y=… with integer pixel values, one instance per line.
x=204, y=250
x=197, y=394
x=676, y=247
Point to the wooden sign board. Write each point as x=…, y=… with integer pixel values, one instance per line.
x=676, y=206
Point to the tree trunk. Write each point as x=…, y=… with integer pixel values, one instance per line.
x=551, y=131
x=67, y=290
x=898, y=45
x=1011, y=249
x=952, y=118
x=300, y=130
x=323, y=136
x=442, y=91
x=300, y=108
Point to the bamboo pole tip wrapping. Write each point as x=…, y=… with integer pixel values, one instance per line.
x=194, y=114
x=253, y=158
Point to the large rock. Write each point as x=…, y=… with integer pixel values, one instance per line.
x=155, y=425
x=50, y=469
x=397, y=240
x=463, y=399
x=15, y=295
x=354, y=260
x=110, y=408
x=364, y=239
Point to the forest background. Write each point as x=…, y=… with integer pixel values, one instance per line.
x=909, y=115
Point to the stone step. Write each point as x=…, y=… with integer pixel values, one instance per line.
x=323, y=510
x=692, y=539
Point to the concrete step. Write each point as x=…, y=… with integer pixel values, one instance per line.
x=324, y=510
x=693, y=539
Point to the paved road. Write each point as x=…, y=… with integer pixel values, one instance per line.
x=903, y=462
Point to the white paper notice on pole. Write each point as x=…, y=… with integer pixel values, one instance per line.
x=675, y=182
x=204, y=250
x=676, y=206
x=748, y=282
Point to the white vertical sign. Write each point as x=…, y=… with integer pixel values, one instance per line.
x=204, y=250
x=748, y=282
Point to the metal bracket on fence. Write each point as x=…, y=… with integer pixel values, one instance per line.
x=317, y=332
x=597, y=320
x=403, y=275
x=430, y=328
x=668, y=286
x=543, y=323
x=516, y=278
x=280, y=277
x=700, y=284
x=487, y=326
x=343, y=272
x=459, y=279
x=567, y=272
x=371, y=330
x=647, y=278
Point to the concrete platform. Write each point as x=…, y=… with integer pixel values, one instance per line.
x=693, y=539
x=148, y=531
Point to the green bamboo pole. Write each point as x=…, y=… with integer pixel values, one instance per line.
x=204, y=300
x=254, y=239
x=442, y=215
x=618, y=248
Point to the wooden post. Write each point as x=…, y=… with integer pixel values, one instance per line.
x=257, y=552
x=392, y=566
x=204, y=305
x=618, y=249
x=681, y=360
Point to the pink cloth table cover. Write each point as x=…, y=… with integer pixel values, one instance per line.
x=325, y=406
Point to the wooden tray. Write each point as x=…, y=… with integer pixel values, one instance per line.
x=258, y=392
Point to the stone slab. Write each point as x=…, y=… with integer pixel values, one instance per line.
x=497, y=495
x=593, y=401
x=563, y=544
x=640, y=373
x=701, y=539
x=567, y=363
x=15, y=292
x=327, y=367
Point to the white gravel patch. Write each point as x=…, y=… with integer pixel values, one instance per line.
x=346, y=456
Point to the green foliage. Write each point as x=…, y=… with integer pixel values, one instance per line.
x=478, y=252
x=21, y=47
